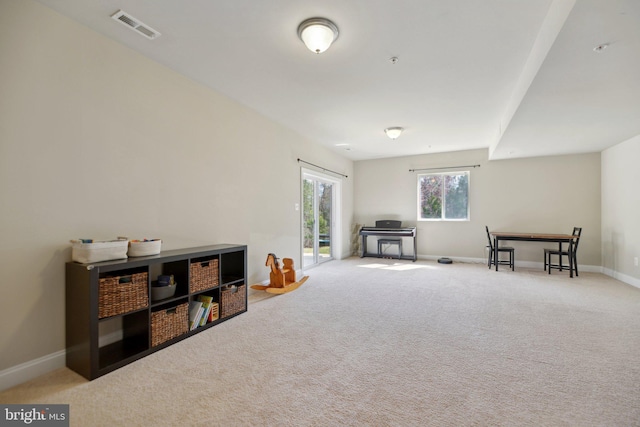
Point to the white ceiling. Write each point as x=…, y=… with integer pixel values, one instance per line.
x=518, y=77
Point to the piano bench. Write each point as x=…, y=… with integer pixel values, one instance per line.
x=390, y=242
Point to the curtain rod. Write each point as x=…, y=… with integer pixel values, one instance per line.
x=323, y=169
x=446, y=167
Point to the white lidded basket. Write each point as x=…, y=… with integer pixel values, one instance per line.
x=87, y=251
x=144, y=247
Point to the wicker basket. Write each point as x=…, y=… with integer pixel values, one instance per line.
x=168, y=324
x=234, y=300
x=122, y=294
x=203, y=275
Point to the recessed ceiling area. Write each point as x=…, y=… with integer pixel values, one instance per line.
x=521, y=78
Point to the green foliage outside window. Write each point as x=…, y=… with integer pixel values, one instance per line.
x=444, y=196
x=324, y=210
x=307, y=200
x=431, y=196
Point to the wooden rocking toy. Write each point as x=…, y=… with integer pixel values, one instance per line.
x=280, y=280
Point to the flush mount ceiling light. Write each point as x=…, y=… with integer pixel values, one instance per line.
x=600, y=47
x=317, y=34
x=393, y=132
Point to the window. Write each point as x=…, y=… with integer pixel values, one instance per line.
x=443, y=196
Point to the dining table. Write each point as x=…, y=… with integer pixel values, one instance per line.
x=535, y=237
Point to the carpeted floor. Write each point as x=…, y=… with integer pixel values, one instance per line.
x=368, y=342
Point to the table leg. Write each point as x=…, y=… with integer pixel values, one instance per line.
x=415, y=249
x=364, y=245
x=570, y=258
x=559, y=257
x=496, y=240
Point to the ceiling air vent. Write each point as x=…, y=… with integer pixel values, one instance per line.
x=135, y=24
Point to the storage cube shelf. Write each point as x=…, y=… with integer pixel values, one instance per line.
x=112, y=321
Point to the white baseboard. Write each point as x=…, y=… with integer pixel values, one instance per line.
x=29, y=370
x=110, y=338
x=622, y=277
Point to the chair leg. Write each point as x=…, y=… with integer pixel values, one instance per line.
x=490, y=258
x=575, y=264
x=512, y=260
x=549, y=262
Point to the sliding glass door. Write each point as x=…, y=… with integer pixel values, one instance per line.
x=318, y=199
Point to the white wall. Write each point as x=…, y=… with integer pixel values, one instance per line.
x=545, y=194
x=97, y=141
x=621, y=210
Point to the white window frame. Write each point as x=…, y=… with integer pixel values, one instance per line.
x=442, y=218
x=336, y=213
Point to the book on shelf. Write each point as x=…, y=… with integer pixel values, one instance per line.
x=207, y=303
x=195, y=313
x=205, y=298
x=205, y=315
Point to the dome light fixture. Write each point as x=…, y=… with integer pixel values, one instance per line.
x=393, y=132
x=600, y=47
x=317, y=34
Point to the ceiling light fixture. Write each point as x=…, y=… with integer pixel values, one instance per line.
x=600, y=47
x=393, y=132
x=317, y=34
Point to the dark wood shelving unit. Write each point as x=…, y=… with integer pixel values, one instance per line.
x=129, y=335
